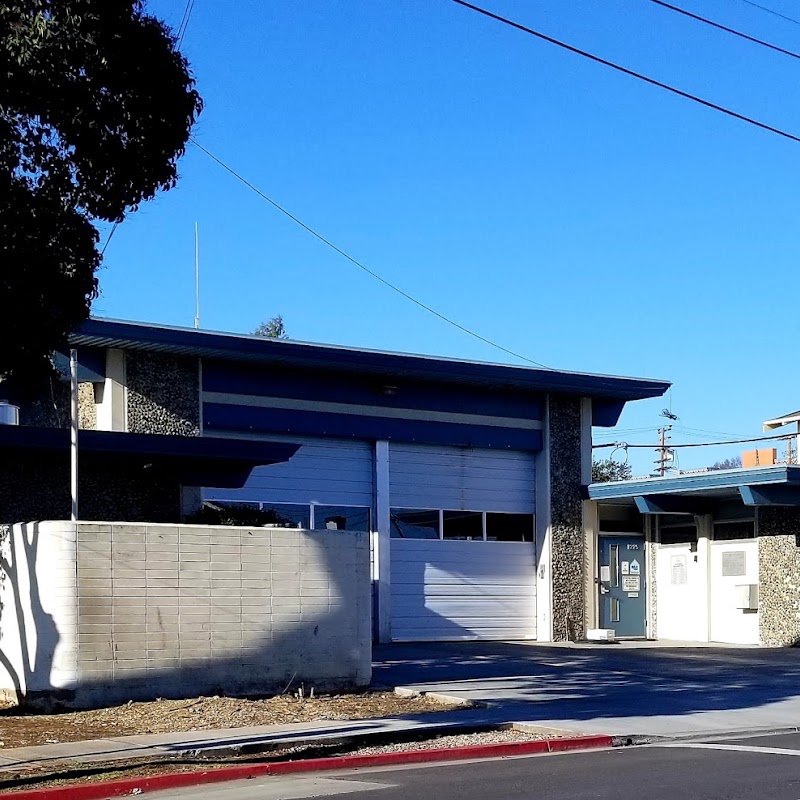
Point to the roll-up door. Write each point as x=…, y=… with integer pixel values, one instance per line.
x=448, y=586
x=461, y=478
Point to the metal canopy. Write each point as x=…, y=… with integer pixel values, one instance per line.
x=695, y=494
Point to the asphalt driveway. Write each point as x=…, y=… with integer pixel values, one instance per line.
x=618, y=689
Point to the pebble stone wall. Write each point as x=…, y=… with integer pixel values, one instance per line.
x=52, y=408
x=163, y=394
x=779, y=576
x=87, y=410
x=122, y=493
x=568, y=545
x=652, y=588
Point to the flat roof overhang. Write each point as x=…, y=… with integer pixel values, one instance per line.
x=189, y=460
x=337, y=359
x=695, y=493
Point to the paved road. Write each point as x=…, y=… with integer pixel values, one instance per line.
x=733, y=769
x=667, y=691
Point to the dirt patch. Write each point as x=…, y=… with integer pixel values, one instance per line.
x=21, y=729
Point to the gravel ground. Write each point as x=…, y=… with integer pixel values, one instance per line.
x=460, y=740
x=20, y=729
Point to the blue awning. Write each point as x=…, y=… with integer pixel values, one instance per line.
x=189, y=460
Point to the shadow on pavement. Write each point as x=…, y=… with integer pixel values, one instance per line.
x=587, y=682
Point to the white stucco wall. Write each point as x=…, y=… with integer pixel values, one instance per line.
x=168, y=610
x=39, y=609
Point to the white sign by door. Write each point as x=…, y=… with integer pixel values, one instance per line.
x=677, y=570
x=635, y=567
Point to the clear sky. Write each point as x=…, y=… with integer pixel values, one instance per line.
x=573, y=214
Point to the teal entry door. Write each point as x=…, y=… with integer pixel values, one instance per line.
x=622, y=586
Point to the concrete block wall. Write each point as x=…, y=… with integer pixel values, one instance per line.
x=177, y=611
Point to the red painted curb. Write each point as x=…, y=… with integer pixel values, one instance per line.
x=177, y=780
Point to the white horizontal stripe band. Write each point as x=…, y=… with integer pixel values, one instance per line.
x=736, y=748
x=257, y=401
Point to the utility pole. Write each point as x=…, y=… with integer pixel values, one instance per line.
x=664, y=452
x=73, y=432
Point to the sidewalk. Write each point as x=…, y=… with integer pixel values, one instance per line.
x=234, y=741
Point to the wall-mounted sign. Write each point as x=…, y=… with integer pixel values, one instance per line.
x=734, y=563
x=630, y=583
x=634, y=567
x=677, y=570
x=624, y=567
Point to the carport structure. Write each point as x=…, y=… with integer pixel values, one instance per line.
x=720, y=558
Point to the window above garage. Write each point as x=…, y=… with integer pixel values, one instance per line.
x=450, y=525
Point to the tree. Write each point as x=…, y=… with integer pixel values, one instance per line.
x=728, y=463
x=606, y=469
x=272, y=329
x=96, y=107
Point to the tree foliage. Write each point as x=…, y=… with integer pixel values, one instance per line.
x=96, y=107
x=272, y=329
x=729, y=463
x=606, y=469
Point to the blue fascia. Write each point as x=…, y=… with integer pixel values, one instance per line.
x=301, y=355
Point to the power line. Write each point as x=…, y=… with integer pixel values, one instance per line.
x=359, y=264
x=619, y=68
x=726, y=29
x=770, y=11
x=701, y=444
x=187, y=15
x=110, y=234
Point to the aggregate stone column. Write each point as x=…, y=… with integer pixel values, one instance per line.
x=566, y=514
x=163, y=394
x=779, y=576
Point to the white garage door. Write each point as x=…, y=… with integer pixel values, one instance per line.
x=453, y=590
x=461, y=584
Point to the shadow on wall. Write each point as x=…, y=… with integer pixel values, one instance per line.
x=31, y=623
x=282, y=643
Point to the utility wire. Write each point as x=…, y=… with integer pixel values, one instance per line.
x=110, y=234
x=703, y=444
x=358, y=264
x=770, y=11
x=726, y=29
x=187, y=15
x=652, y=81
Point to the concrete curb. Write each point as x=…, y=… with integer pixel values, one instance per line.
x=177, y=780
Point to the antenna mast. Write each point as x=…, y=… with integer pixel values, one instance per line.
x=196, y=277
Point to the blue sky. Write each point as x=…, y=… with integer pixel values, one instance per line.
x=573, y=214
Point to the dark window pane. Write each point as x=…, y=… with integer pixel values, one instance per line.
x=465, y=525
x=414, y=524
x=341, y=518
x=509, y=527
x=286, y=515
x=744, y=529
x=681, y=534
